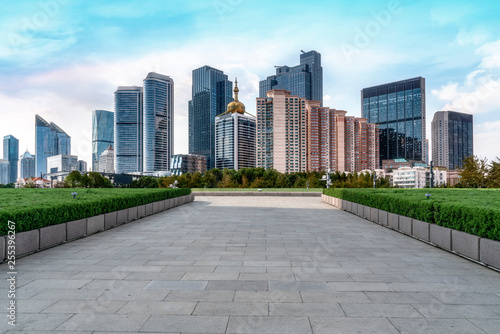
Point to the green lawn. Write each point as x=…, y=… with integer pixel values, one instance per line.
x=285, y=190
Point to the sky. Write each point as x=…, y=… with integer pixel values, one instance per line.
x=62, y=59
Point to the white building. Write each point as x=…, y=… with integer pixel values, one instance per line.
x=406, y=177
x=106, y=161
x=61, y=163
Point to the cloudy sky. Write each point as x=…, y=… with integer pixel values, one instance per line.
x=62, y=59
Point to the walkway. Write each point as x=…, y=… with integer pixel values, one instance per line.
x=252, y=265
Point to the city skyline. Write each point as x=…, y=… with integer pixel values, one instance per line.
x=62, y=60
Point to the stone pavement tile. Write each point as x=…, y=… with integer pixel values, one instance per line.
x=379, y=278
x=100, y=275
x=437, y=326
x=269, y=325
x=322, y=277
x=173, y=276
x=445, y=311
x=231, y=308
x=266, y=263
x=351, y=297
x=380, y=310
x=43, y=284
x=170, y=263
x=138, y=294
x=134, y=269
x=298, y=286
x=192, y=324
x=157, y=307
x=237, y=285
x=104, y=322
x=359, y=286
x=32, y=306
x=305, y=310
x=341, y=270
x=468, y=298
x=195, y=296
x=68, y=294
x=423, y=287
x=109, y=284
x=493, y=308
x=76, y=267
x=490, y=326
x=34, y=322
x=48, y=332
x=210, y=277
x=189, y=269
x=267, y=296
x=453, y=279
x=390, y=297
x=265, y=277
x=218, y=263
x=176, y=285
x=351, y=325
x=81, y=306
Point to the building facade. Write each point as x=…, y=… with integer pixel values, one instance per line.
x=304, y=80
x=82, y=166
x=452, y=139
x=211, y=93
x=407, y=177
x=61, y=163
x=158, y=122
x=50, y=140
x=128, y=129
x=107, y=161
x=398, y=108
x=188, y=163
x=27, y=165
x=11, y=154
x=103, y=134
x=4, y=171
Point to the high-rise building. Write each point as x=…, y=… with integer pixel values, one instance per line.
x=106, y=161
x=235, y=137
x=304, y=80
x=62, y=163
x=4, y=171
x=26, y=165
x=82, y=166
x=295, y=135
x=452, y=140
x=188, y=163
x=50, y=140
x=11, y=154
x=158, y=122
x=211, y=93
x=103, y=134
x=399, y=110
x=128, y=129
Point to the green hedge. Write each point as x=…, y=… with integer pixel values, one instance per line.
x=44, y=207
x=474, y=211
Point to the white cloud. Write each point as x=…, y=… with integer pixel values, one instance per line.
x=491, y=55
x=486, y=140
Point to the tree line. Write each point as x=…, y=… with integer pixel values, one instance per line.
x=479, y=173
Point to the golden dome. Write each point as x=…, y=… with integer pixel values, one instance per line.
x=236, y=106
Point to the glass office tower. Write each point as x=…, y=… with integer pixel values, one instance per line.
x=103, y=134
x=128, y=129
x=304, y=80
x=50, y=140
x=11, y=154
x=399, y=110
x=27, y=165
x=452, y=139
x=211, y=93
x=158, y=122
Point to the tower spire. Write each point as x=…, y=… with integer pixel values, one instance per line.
x=236, y=90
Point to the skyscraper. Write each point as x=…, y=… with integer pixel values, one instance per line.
x=304, y=80
x=235, y=137
x=158, y=122
x=27, y=165
x=399, y=110
x=211, y=93
x=128, y=129
x=50, y=140
x=106, y=161
x=4, y=171
x=11, y=154
x=102, y=134
x=452, y=139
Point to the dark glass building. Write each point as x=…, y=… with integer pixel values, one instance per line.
x=304, y=80
x=211, y=93
x=452, y=140
x=158, y=122
x=27, y=165
x=128, y=129
x=50, y=140
x=103, y=134
x=399, y=110
x=11, y=154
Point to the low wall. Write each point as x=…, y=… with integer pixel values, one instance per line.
x=256, y=193
x=467, y=245
x=37, y=240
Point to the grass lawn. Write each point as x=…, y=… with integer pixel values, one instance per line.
x=285, y=190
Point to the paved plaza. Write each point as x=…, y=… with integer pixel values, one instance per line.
x=252, y=265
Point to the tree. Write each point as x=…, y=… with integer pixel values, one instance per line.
x=493, y=179
x=73, y=180
x=474, y=173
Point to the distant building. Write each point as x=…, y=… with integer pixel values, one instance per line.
x=399, y=110
x=106, y=161
x=4, y=171
x=82, y=166
x=128, y=129
x=33, y=182
x=158, y=121
x=390, y=164
x=27, y=165
x=304, y=80
x=11, y=154
x=188, y=163
x=406, y=177
x=211, y=93
x=50, y=140
x=62, y=163
x=103, y=134
x=235, y=137
x=452, y=139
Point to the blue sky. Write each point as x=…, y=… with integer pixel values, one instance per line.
x=62, y=59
